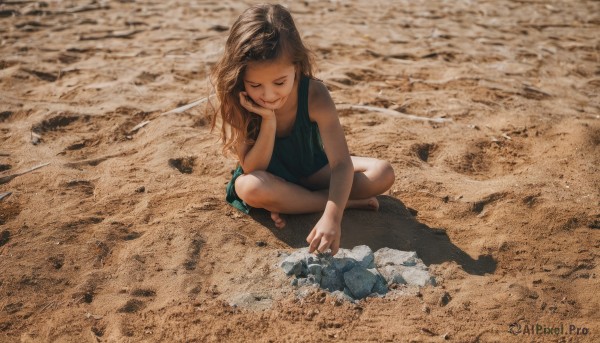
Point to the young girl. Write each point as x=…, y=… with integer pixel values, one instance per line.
x=283, y=126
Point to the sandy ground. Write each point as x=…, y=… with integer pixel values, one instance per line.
x=125, y=235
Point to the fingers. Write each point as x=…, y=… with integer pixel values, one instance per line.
x=325, y=244
x=335, y=247
x=311, y=236
x=314, y=243
x=247, y=104
x=321, y=243
x=253, y=107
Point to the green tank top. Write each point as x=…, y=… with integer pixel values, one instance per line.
x=296, y=156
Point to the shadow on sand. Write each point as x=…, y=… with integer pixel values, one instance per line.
x=393, y=226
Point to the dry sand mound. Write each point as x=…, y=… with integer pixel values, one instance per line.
x=125, y=235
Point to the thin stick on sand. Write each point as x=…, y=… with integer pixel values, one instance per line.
x=176, y=110
x=188, y=106
x=139, y=126
x=8, y=178
x=390, y=112
x=339, y=107
x=4, y=195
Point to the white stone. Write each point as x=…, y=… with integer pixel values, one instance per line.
x=387, y=256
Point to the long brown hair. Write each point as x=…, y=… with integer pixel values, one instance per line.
x=261, y=33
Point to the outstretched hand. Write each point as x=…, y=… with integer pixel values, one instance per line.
x=325, y=235
x=253, y=107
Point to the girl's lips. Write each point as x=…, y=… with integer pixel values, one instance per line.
x=270, y=102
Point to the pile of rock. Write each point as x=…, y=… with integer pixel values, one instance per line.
x=357, y=273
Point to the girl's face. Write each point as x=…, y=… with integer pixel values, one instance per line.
x=270, y=83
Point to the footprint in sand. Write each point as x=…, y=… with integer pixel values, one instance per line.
x=194, y=253
x=81, y=186
x=486, y=159
x=423, y=150
x=185, y=165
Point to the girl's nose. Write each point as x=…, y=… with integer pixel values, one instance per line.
x=269, y=95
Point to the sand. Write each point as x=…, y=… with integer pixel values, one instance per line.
x=125, y=235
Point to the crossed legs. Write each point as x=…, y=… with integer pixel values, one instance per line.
x=261, y=189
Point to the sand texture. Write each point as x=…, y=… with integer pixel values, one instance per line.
x=125, y=236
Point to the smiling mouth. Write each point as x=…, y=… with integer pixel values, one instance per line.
x=271, y=102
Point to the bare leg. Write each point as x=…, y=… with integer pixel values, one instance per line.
x=264, y=190
x=365, y=204
x=371, y=177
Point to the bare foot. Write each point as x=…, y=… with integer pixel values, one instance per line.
x=279, y=222
x=364, y=204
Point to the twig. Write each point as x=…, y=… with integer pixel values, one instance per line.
x=53, y=302
x=4, y=195
x=119, y=34
x=139, y=126
x=188, y=106
x=85, y=8
x=91, y=162
x=429, y=332
x=8, y=178
x=390, y=112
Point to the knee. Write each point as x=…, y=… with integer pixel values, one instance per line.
x=386, y=175
x=253, y=188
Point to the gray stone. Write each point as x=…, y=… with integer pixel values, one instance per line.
x=387, y=256
x=307, y=281
x=360, y=281
x=363, y=255
x=317, y=259
x=421, y=265
x=292, y=267
x=348, y=293
x=316, y=271
x=342, y=253
x=303, y=292
x=332, y=279
x=340, y=295
x=416, y=277
x=313, y=260
x=380, y=286
x=294, y=263
x=344, y=264
x=393, y=274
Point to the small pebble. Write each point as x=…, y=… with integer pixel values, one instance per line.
x=4, y=237
x=445, y=299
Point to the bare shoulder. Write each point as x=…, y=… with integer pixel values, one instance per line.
x=319, y=100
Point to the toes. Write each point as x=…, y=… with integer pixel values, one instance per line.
x=279, y=222
x=275, y=217
x=374, y=204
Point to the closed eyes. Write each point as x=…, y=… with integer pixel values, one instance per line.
x=275, y=83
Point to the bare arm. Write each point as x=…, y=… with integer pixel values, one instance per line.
x=327, y=232
x=258, y=156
